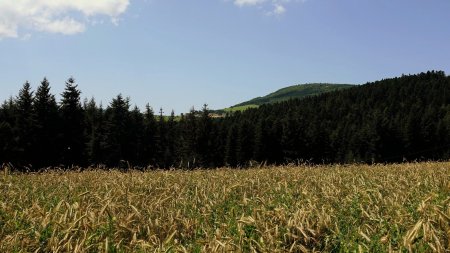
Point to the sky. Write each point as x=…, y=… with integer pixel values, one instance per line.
x=179, y=54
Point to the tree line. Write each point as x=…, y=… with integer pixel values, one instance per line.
x=404, y=118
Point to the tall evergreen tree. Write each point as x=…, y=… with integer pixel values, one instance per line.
x=7, y=142
x=261, y=138
x=117, y=133
x=136, y=133
x=25, y=125
x=244, y=142
x=149, y=136
x=231, y=147
x=72, y=141
x=161, y=140
x=291, y=139
x=47, y=130
x=94, y=132
x=204, y=138
x=188, y=139
x=170, y=153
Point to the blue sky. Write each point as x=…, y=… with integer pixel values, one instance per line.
x=177, y=54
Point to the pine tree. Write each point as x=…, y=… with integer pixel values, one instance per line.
x=94, y=132
x=170, y=154
x=25, y=125
x=47, y=129
x=290, y=140
x=135, y=148
x=231, y=147
x=6, y=136
x=261, y=137
x=244, y=142
x=149, y=137
x=219, y=137
x=72, y=142
x=161, y=140
x=188, y=126
x=117, y=134
x=203, y=138
x=8, y=144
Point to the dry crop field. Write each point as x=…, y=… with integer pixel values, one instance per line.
x=363, y=208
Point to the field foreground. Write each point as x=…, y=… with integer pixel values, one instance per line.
x=301, y=209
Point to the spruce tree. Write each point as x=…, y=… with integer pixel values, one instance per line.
x=244, y=142
x=136, y=133
x=161, y=140
x=149, y=136
x=47, y=130
x=189, y=139
x=94, y=132
x=6, y=136
x=170, y=154
x=8, y=144
x=117, y=133
x=261, y=138
x=72, y=141
x=231, y=147
x=25, y=125
x=203, y=138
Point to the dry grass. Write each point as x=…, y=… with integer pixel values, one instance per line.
x=279, y=209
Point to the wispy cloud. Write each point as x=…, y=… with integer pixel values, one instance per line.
x=278, y=9
x=270, y=7
x=248, y=2
x=19, y=17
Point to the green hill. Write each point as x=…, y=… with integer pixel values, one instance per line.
x=296, y=91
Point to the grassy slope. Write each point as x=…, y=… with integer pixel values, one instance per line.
x=240, y=108
x=279, y=209
x=296, y=91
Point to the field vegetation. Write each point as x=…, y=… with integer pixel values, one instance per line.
x=339, y=208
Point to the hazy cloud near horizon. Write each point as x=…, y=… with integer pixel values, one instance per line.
x=19, y=18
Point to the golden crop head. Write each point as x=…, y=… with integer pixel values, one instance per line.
x=376, y=208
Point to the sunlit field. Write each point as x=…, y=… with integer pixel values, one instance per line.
x=337, y=208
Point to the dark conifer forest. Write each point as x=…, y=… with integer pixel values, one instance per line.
x=392, y=120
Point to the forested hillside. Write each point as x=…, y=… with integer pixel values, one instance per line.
x=405, y=118
x=389, y=120
x=292, y=92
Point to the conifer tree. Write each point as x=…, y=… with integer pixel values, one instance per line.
x=47, y=130
x=204, y=138
x=170, y=154
x=7, y=144
x=244, y=142
x=188, y=126
x=117, y=134
x=136, y=132
x=260, y=146
x=72, y=142
x=149, y=136
x=231, y=147
x=25, y=125
x=94, y=132
x=161, y=140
